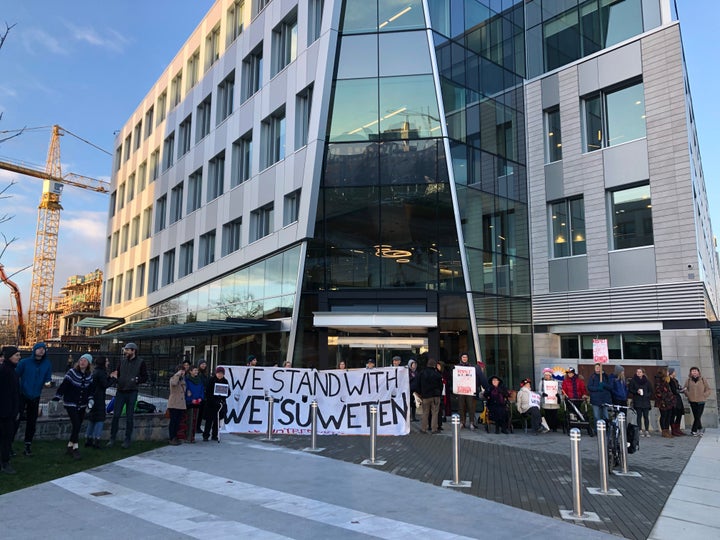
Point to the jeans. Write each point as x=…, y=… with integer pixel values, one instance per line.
x=643, y=414
x=175, y=418
x=697, y=408
x=128, y=400
x=665, y=418
x=76, y=415
x=212, y=413
x=94, y=429
x=600, y=413
x=28, y=411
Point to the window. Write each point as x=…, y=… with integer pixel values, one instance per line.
x=176, y=201
x=235, y=20
x=135, y=231
x=118, y=289
x=115, y=244
x=109, y=292
x=631, y=217
x=206, y=254
x=185, y=134
x=553, y=137
x=140, y=280
x=176, y=89
x=212, y=47
x=194, y=200
x=118, y=158
x=129, y=285
x=137, y=134
x=225, y=97
x=252, y=72
x=231, y=236
x=261, y=5
x=640, y=346
x=108, y=247
x=155, y=165
x=303, y=102
x=161, y=107
x=193, y=70
x=291, y=208
x=614, y=117
x=168, y=269
x=142, y=177
x=124, y=237
x=131, y=187
x=147, y=222
x=241, y=155
x=169, y=151
x=284, y=43
x=160, y=211
x=261, y=222
x=186, y=259
x=126, y=145
x=568, y=227
x=113, y=201
x=121, y=196
x=153, y=274
x=273, y=138
x=315, y=11
x=149, y=121
x=216, y=176
x=203, y=118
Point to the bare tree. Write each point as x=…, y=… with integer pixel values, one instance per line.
x=3, y=37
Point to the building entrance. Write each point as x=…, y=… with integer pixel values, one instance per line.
x=356, y=350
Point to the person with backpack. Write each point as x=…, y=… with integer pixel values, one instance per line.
x=618, y=386
x=664, y=400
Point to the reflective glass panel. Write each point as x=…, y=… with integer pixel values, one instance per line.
x=593, y=124
x=562, y=40
x=632, y=217
x=355, y=110
x=577, y=226
x=622, y=19
x=400, y=15
x=625, y=114
x=559, y=219
x=360, y=16
x=359, y=57
x=408, y=108
x=395, y=58
x=351, y=164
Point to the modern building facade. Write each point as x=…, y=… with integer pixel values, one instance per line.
x=318, y=181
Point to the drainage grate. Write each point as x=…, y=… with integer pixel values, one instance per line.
x=100, y=493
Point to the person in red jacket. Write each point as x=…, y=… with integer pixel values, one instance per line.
x=573, y=387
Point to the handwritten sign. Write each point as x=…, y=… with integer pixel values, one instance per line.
x=464, y=381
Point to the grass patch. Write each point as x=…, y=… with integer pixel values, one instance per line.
x=49, y=461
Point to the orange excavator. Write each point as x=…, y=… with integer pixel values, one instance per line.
x=15, y=293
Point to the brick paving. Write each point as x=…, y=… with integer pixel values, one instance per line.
x=527, y=471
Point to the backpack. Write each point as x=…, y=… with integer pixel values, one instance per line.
x=633, y=438
x=144, y=407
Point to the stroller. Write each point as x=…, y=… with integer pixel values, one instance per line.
x=576, y=419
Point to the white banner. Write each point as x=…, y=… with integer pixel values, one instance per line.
x=343, y=397
x=535, y=399
x=551, y=389
x=600, y=351
x=464, y=380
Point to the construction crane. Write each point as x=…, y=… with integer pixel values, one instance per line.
x=46, y=237
x=20, y=331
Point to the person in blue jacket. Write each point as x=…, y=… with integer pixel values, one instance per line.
x=34, y=372
x=194, y=396
x=599, y=386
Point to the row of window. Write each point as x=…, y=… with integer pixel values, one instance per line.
x=630, y=218
x=610, y=117
x=125, y=287
x=284, y=47
x=640, y=346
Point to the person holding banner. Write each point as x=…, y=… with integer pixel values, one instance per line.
x=549, y=390
x=431, y=387
x=528, y=402
x=465, y=393
x=216, y=392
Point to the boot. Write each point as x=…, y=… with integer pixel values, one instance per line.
x=497, y=429
x=666, y=434
x=96, y=444
x=676, y=431
x=28, y=450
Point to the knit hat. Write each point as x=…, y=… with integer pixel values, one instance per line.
x=619, y=370
x=547, y=370
x=130, y=346
x=570, y=370
x=87, y=357
x=7, y=352
x=38, y=346
x=671, y=370
x=220, y=369
x=524, y=382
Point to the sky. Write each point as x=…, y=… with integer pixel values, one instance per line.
x=86, y=65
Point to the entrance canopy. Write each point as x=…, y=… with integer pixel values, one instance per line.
x=376, y=322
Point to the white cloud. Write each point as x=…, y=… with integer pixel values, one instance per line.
x=35, y=38
x=90, y=227
x=109, y=39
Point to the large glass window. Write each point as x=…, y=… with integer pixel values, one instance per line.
x=408, y=108
x=640, y=346
x=194, y=199
x=613, y=341
x=273, y=138
x=216, y=176
x=206, y=252
x=355, y=110
x=614, y=117
x=561, y=40
x=241, y=159
x=176, y=201
x=631, y=217
x=284, y=43
x=232, y=233
x=568, y=227
x=186, y=259
x=168, y=268
x=252, y=72
x=553, y=135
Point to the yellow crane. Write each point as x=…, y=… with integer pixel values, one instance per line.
x=48, y=226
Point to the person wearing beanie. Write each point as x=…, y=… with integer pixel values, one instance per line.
x=130, y=372
x=76, y=390
x=96, y=417
x=217, y=391
x=618, y=386
x=600, y=393
x=34, y=372
x=679, y=409
x=528, y=404
x=549, y=390
x=697, y=391
x=9, y=405
x=252, y=360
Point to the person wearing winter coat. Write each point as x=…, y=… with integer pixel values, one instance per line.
x=194, y=396
x=34, y=372
x=431, y=389
x=9, y=405
x=664, y=400
x=526, y=405
x=217, y=391
x=204, y=378
x=600, y=393
x=497, y=397
x=414, y=387
x=679, y=409
x=96, y=417
x=697, y=391
x=549, y=390
x=176, y=403
x=618, y=386
x=75, y=391
x=640, y=391
x=573, y=387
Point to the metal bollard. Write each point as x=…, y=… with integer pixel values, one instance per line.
x=313, y=428
x=622, y=427
x=576, y=462
x=602, y=455
x=455, y=421
x=373, y=432
x=270, y=401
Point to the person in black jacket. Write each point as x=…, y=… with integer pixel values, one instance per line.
x=216, y=392
x=75, y=391
x=96, y=416
x=641, y=391
x=431, y=387
x=9, y=405
x=414, y=387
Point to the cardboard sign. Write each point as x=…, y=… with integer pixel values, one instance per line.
x=535, y=399
x=551, y=389
x=600, y=351
x=221, y=389
x=464, y=381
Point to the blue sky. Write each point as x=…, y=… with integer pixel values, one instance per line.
x=86, y=65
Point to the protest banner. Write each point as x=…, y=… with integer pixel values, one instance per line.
x=551, y=389
x=343, y=397
x=600, y=351
x=463, y=380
